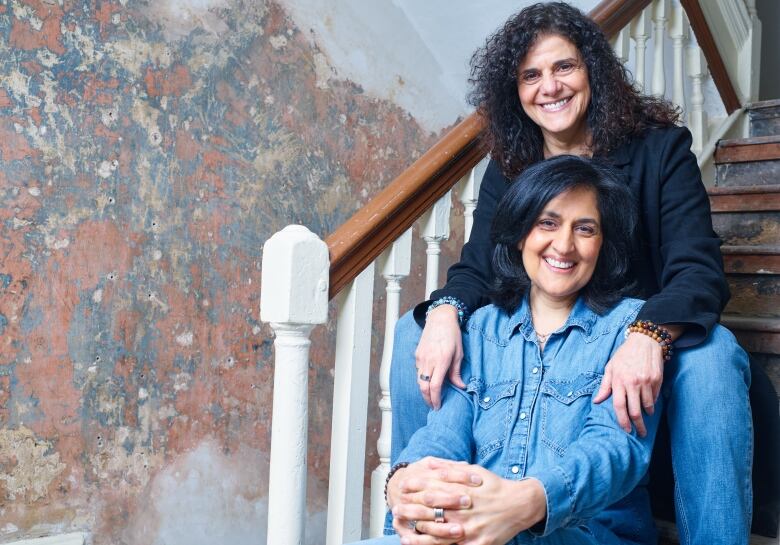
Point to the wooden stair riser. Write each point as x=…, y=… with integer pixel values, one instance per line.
x=748, y=229
x=755, y=295
x=744, y=263
x=765, y=118
x=748, y=173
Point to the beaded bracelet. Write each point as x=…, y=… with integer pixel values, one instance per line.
x=656, y=332
x=460, y=306
x=396, y=467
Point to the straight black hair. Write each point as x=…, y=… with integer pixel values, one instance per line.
x=521, y=206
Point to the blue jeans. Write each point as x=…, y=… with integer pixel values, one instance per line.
x=711, y=430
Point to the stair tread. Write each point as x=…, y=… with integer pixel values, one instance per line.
x=743, y=150
x=752, y=323
x=743, y=189
x=758, y=249
x=774, y=103
x=749, y=141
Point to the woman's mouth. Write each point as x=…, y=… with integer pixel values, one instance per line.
x=555, y=106
x=559, y=264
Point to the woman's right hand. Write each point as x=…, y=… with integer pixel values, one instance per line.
x=439, y=353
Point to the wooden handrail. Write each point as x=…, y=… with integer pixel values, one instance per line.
x=715, y=62
x=364, y=236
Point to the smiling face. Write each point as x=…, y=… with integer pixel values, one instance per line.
x=552, y=83
x=561, y=251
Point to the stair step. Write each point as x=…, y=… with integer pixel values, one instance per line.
x=764, y=117
x=755, y=295
x=747, y=228
x=745, y=198
x=755, y=148
x=750, y=172
x=764, y=259
x=761, y=335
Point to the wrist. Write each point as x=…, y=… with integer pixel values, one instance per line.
x=392, y=483
x=530, y=500
x=451, y=304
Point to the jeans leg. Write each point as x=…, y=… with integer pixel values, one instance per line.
x=711, y=434
x=409, y=409
x=387, y=540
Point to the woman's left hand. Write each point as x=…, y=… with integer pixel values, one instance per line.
x=500, y=508
x=633, y=376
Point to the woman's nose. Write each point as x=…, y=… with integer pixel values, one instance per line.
x=563, y=242
x=550, y=84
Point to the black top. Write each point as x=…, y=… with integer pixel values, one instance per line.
x=678, y=267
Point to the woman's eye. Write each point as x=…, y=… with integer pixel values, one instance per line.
x=565, y=67
x=586, y=230
x=547, y=224
x=530, y=77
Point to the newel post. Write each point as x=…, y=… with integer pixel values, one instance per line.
x=293, y=298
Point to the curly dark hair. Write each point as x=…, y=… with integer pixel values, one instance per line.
x=519, y=210
x=616, y=112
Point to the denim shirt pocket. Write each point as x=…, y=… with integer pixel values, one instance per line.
x=492, y=416
x=565, y=406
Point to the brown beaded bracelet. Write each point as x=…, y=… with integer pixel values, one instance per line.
x=396, y=467
x=659, y=334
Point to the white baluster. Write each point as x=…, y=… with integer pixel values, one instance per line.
x=436, y=228
x=679, y=31
x=350, y=404
x=294, y=297
x=621, y=43
x=660, y=15
x=697, y=117
x=469, y=195
x=640, y=32
x=396, y=264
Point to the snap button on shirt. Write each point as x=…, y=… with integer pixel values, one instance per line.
x=522, y=416
x=515, y=470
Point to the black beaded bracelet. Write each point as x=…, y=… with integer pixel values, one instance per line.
x=460, y=306
x=659, y=334
x=396, y=467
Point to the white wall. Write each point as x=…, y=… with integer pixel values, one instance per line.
x=412, y=52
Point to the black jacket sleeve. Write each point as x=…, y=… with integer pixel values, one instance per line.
x=687, y=258
x=470, y=279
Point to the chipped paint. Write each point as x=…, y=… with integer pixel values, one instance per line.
x=147, y=150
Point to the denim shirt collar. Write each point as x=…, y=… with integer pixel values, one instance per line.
x=520, y=321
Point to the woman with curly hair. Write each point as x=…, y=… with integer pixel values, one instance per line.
x=548, y=83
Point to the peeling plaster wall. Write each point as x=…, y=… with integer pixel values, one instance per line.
x=147, y=149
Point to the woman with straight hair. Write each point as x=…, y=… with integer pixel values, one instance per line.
x=552, y=466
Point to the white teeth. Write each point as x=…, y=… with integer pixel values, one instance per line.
x=559, y=264
x=555, y=105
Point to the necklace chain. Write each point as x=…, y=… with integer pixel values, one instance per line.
x=542, y=338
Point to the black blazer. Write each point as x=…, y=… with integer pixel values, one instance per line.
x=678, y=268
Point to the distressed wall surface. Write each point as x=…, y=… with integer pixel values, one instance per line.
x=147, y=149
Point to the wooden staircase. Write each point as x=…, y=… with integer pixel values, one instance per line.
x=746, y=215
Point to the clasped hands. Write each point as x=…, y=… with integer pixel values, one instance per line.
x=480, y=508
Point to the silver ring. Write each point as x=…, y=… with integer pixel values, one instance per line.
x=425, y=378
x=438, y=514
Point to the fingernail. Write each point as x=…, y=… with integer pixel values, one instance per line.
x=405, y=541
x=455, y=530
x=475, y=479
x=465, y=501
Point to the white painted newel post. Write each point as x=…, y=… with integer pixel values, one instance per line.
x=293, y=298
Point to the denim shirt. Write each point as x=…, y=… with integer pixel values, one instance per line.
x=527, y=413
